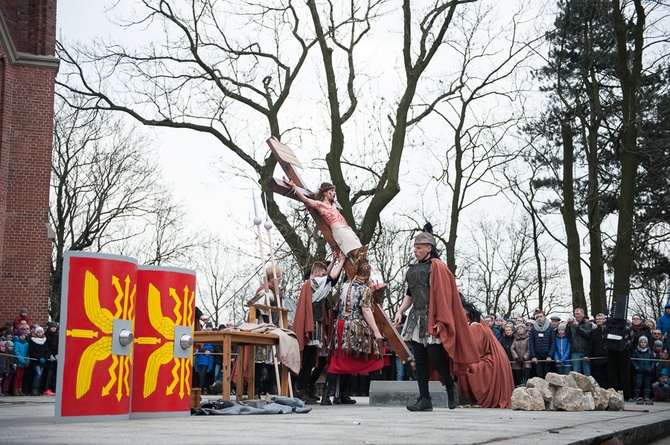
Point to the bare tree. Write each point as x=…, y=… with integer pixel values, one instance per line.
x=103, y=189
x=501, y=273
x=167, y=237
x=227, y=279
x=207, y=74
x=479, y=106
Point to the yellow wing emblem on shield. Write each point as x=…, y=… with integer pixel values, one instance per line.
x=98, y=351
x=161, y=356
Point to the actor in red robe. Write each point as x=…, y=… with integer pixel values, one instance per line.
x=488, y=382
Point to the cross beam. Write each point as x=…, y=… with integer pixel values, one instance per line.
x=286, y=159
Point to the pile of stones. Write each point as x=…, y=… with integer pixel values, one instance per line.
x=574, y=392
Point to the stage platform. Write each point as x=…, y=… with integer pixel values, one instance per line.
x=31, y=420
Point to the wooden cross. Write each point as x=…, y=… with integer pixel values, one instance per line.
x=287, y=159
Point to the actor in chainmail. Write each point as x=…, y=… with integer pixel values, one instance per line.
x=436, y=326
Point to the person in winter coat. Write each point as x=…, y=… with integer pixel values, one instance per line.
x=22, y=356
x=52, y=336
x=579, y=334
x=639, y=329
x=203, y=363
x=644, y=370
x=542, y=344
x=562, y=354
x=507, y=340
x=521, y=355
x=663, y=322
x=39, y=353
x=22, y=319
x=8, y=364
x=661, y=388
x=4, y=365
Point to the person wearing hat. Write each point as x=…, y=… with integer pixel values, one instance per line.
x=555, y=321
x=324, y=203
x=8, y=364
x=661, y=388
x=52, y=335
x=39, y=353
x=23, y=362
x=436, y=326
x=21, y=319
x=562, y=353
x=644, y=369
x=521, y=355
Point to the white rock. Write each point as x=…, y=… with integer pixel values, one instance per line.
x=569, y=399
x=542, y=386
x=560, y=381
x=527, y=399
x=589, y=403
x=586, y=384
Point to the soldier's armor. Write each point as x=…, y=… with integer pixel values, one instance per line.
x=418, y=281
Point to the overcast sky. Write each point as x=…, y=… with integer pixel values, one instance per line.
x=187, y=158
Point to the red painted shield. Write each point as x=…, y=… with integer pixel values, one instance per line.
x=162, y=365
x=93, y=382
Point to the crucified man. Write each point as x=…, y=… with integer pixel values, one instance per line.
x=324, y=203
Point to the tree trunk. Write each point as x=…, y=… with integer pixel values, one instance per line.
x=570, y=220
x=629, y=68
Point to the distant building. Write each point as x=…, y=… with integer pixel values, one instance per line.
x=28, y=68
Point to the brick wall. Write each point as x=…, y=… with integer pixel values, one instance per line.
x=26, y=123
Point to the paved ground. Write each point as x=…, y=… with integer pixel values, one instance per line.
x=28, y=420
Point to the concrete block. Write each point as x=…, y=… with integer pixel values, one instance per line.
x=393, y=393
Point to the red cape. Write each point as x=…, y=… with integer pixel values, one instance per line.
x=447, y=313
x=488, y=382
x=303, y=319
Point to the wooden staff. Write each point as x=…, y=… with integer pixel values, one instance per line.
x=257, y=223
x=268, y=227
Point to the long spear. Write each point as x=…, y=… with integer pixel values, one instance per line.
x=257, y=223
x=268, y=226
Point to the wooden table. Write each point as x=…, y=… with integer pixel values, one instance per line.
x=229, y=338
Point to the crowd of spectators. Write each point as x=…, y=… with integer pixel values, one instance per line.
x=627, y=355
x=28, y=357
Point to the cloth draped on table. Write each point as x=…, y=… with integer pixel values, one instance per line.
x=288, y=351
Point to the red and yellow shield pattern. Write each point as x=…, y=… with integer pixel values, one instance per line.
x=97, y=289
x=162, y=381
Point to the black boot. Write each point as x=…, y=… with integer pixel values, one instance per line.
x=344, y=398
x=452, y=397
x=421, y=404
x=303, y=395
x=311, y=390
x=327, y=387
